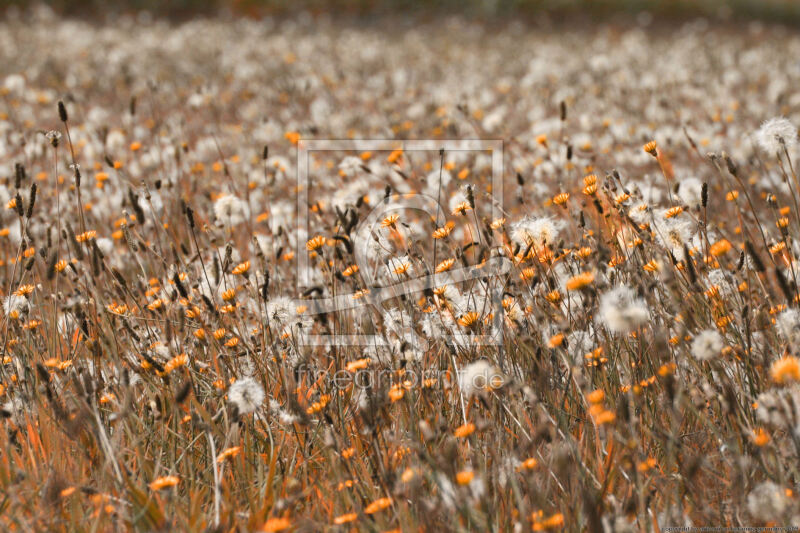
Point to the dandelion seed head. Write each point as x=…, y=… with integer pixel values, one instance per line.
x=774, y=134
x=621, y=310
x=230, y=210
x=690, y=191
x=246, y=394
x=707, y=345
x=767, y=501
x=536, y=231
x=478, y=376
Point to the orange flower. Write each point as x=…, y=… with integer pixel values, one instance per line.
x=580, y=281
x=444, y=231
x=345, y=518
x=556, y=340
x=551, y=522
x=176, y=362
x=497, y=223
x=396, y=393
x=464, y=477
x=390, y=220
x=650, y=148
x=24, y=290
x=785, y=370
x=553, y=296
x=605, y=417
x=468, y=319
x=646, y=465
x=229, y=295
x=276, y=524
x=164, y=482
x=464, y=431
x=673, y=211
x=315, y=243
x=229, y=453
x=292, y=136
x=760, y=437
x=241, y=268
x=395, y=155
x=720, y=247
x=596, y=396
x=358, y=364
x=378, y=505
x=461, y=209
x=445, y=265
x=85, y=236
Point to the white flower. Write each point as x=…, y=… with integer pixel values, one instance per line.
x=478, y=376
x=640, y=212
x=281, y=310
x=622, y=311
x=717, y=278
x=398, y=322
x=579, y=343
x=378, y=248
x=673, y=234
x=767, y=502
x=161, y=350
x=707, y=345
x=774, y=134
x=264, y=243
x=789, y=325
x=246, y=394
x=106, y=245
x=15, y=83
x=349, y=166
x=458, y=199
x=537, y=231
x=278, y=167
x=779, y=407
x=285, y=417
x=230, y=210
x=690, y=191
x=15, y=302
x=15, y=410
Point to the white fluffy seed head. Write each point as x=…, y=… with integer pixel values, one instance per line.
x=707, y=345
x=767, y=501
x=690, y=191
x=479, y=375
x=246, y=394
x=789, y=325
x=776, y=133
x=621, y=311
x=230, y=210
x=536, y=231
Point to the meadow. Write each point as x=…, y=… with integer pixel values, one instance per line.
x=575, y=309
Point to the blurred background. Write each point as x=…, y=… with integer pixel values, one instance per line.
x=785, y=11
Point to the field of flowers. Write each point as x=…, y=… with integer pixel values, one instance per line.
x=308, y=274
